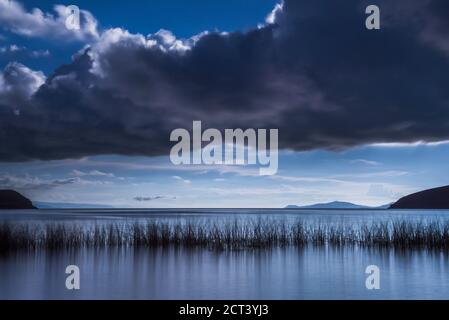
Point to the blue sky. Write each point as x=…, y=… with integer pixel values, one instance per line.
x=371, y=175
x=183, y=18
x=372, y=171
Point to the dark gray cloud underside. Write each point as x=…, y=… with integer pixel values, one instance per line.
x=317, y=74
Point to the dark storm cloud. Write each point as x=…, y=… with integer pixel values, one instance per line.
x=317, y=74
x=153, y=198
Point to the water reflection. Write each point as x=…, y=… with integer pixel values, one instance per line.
x=175, y=273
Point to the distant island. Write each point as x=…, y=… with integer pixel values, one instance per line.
x=335, y=205
x=10, y=199
x=437, y=198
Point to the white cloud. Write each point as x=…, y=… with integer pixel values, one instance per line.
x=378, y=174
x=163, y=40
x=381, y=191
x=18, y=83
x=38, y=24
x=27, y=182
x=271, y=17
x=13, y=48
x=182, y=179
x=39, y=53
x=366, y=162
x=92, y=173
x=410, y=145
x=306, y=179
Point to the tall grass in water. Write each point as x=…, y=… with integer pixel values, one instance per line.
x=234, y=235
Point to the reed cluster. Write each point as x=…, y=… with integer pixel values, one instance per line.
x=236, y=235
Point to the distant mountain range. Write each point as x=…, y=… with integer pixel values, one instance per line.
x=56, y=205
x=336, y=205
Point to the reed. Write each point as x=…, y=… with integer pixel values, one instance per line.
x=235, y=235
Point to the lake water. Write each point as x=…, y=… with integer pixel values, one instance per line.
x=173, y=273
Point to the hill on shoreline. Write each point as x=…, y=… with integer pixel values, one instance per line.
x=10, y=199
x=436, y=198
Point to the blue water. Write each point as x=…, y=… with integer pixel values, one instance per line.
x=287, y=273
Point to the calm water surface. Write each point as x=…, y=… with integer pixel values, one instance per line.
x=291, y=273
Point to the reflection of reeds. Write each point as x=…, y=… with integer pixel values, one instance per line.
x=230, y=235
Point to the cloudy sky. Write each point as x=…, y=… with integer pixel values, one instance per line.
x=86, y=115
